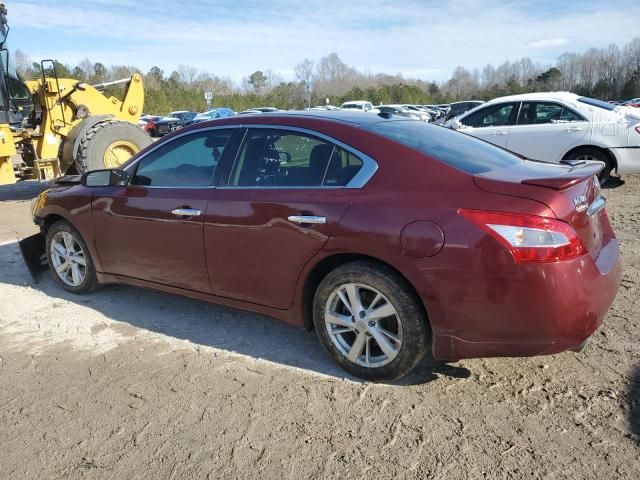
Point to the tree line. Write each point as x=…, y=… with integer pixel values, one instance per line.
x=609, y=73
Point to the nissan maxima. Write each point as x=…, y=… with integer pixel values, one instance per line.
x=391, y=237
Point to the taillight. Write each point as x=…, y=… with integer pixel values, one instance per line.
x=529, y=238
x=638, y=129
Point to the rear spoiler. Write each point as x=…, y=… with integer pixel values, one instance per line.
x=580, y=170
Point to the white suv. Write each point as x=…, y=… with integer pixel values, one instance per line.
x=555, y=126
x=361, y=105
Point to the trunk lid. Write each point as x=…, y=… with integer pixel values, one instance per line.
x=570, y=189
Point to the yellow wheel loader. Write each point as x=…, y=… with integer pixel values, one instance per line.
x=72, y=127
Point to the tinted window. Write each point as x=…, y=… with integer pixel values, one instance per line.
x=535, y=113
x=451, y=147
x=492, y=116
x=597, y=103
x=281, y=158
x=187, y=161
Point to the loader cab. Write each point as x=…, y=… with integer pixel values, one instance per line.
x=16, y=98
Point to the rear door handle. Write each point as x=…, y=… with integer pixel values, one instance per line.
x=501, y=133
x=308, y=219
x=574, y=129
x=186, y=212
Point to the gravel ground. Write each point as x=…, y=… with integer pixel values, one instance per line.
x=129, y=383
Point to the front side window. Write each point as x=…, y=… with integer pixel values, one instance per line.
x=187, y=161
x=492, y=116
x=281, y=158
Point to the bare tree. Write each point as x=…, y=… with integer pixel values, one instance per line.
x=23, y=62
x=187, y=74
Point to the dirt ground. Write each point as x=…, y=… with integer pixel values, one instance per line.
x=129, y=383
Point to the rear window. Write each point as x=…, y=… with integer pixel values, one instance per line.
x=454, y=148
x=597, y=103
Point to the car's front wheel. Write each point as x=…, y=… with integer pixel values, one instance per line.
x=370, y=321
x=69, y=259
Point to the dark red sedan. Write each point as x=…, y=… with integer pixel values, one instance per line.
x=390, y=236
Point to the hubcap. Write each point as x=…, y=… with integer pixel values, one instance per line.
x=119, y=152
x=363, y=325
x=68, y=259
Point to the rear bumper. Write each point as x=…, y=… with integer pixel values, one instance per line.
x=541, y=309
x=627, y=159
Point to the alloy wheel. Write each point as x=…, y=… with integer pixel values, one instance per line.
x=68, y=258
x=363, y=325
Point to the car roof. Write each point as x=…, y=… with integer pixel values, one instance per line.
x=340, y=116
x=549, y=96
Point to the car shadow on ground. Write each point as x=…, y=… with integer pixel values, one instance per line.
x=634, y=405
x=206, y=324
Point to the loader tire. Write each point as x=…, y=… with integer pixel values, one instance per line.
x=110, y=144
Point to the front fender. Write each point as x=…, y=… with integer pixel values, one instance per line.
x=73, y=204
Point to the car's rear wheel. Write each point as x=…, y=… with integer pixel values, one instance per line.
x=590, y=153
x=370, y=321
x=69, y=259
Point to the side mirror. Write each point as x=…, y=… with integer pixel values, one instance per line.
x=105, y=178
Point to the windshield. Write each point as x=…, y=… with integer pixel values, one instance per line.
x=448, y=146
x=597, y=103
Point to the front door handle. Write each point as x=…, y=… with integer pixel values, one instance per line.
x=308, y=219
x=500, y=133
x=574, y=129
x=186, y=212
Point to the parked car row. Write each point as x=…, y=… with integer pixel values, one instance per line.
x=159, y=126
x=634, y=102
x=426, y=113
x=548, y=126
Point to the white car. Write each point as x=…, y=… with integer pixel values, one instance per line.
x=421, y=112
x=360, y=105
x=555, y=126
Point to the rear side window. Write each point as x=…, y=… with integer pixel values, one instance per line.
x=280, y=158
x=536, y=113
x=448, y=146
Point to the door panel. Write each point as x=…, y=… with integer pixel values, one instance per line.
x=137, y=235
x=152, y=228
x=253, y=252
x=545, y=130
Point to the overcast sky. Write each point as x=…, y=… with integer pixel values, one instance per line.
x=422, y=39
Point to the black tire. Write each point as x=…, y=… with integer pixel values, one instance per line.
x=591, y=153
x=90, y=281
x=415, y=334
x=96, y=140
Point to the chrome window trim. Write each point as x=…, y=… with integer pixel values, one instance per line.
x=359, y=180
